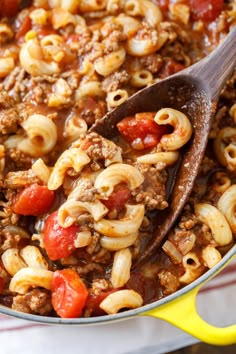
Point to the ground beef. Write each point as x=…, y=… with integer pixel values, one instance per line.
x=10, y=241
x=20, y=179
x=90, y=267
x=6, y=101
x=99, y=148
x=152, y=192
x=85, y=192
x=37, y=301
x=9, y=120
x=94, y=245
x=9, y=116
x=168, y=281
x=152, y=62
x=115, y=81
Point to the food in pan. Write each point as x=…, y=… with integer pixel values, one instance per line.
x=76, y=207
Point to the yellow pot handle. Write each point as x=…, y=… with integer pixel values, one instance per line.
x=182, y=313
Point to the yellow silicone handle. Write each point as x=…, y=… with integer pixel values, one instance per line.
x=182, y=313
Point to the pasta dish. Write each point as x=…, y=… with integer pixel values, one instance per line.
x=75, y=207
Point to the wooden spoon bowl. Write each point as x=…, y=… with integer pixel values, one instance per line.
x=194, y=91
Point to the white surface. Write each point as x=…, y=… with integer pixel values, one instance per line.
x=141, y=335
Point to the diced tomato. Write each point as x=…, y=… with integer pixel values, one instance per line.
x=93, y=302
x=206, y=10
x=1, y=284
x=58, y=240
x=33, y=200
x=118, y=198
x=25, y=26
x=69, y=293
x=169, y=68
x=9, y=8
x=141, y=131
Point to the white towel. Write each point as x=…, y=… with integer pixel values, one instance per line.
x=140, y=335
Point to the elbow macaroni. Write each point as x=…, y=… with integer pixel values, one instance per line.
x=31, y=59
x=41, y=135
x=211, y=216
x=115, y=174
x=129, y=224
x=226, y=204
x=29, y=277
x=63, y=65
x=182, y=128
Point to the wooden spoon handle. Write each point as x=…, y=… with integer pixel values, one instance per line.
x=217, y=67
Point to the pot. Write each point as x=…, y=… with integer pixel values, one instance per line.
x=179, y=309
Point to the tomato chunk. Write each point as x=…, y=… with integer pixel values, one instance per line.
x=59, y=241
x=206, y=10
x=141, y=131
x=118, y=198
x=33, y=200
x=24, y=27
x=69, y=293
x=9, y=8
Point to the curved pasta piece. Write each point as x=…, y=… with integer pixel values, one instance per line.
x=211, y=256
x=167, y=157
x=220, y=147
x=72, y=209
x=232, y=112
x=51, y=39
x=116, y=98
x=41, y=170
x=71, y=158
x=129, y=224
x=151, y=12
x=83, y=239
x=12, y=261
x=31, y=59
x=120, y=272
x=33, y=257
x=141, y=78
x=226, y=204
x=41, y=135
x=211, y=216
x=74, y=127
x=121, y=299
x=115, y=174
x=221, y=182
x=193, y=268
x=68, y=5
x=91, y=88
x=190, y=275
x=111, y=62
x=182, y=128
x=129, y=24
x=117, y=243
x=29, y=277
x=144, y=46
x=92, y=5
x=39, y=16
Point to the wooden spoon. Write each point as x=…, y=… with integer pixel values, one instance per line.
x=194, y=91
